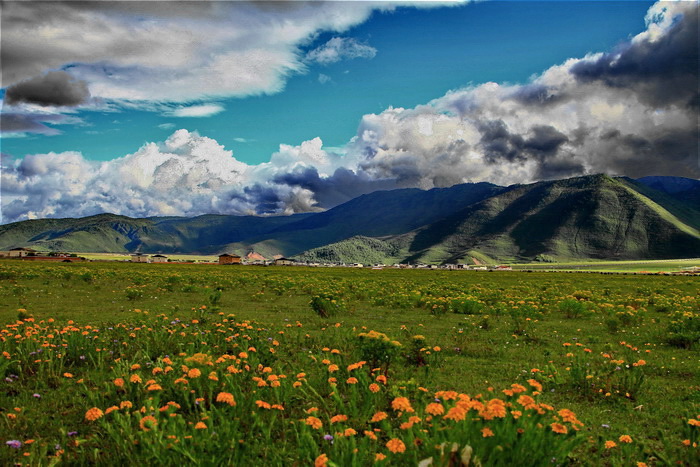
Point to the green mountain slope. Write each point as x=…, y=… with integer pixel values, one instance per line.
x=579, y=218
x=584, y=217
x=119, y=234
x=359, y=249
x=376, y=214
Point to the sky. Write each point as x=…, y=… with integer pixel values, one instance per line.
x=159, y=108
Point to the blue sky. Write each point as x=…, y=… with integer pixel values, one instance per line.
x=304, y=105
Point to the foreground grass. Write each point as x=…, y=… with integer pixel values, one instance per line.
x=167, y=364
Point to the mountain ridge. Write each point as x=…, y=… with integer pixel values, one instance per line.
x=594, y=216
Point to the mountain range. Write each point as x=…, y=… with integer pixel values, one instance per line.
x=593, y=216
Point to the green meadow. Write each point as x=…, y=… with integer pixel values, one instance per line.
x=164, y=364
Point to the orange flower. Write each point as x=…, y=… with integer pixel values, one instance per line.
x=126, y=404
x=495, y=408
x=148, y=422
x=339, y=418
x=559, y=428
x=351, y=380
x=396, y=445
x=355, y=366
x=135, y=378
x=200, y=426
x=535, y=384
x=332, y=368
x=374, y=387
x=194, y=373
x=226, y=398
x=435, y=408
x=378, y=417
x=154, y=387
x=610, y=444
x=119, y=382
x=93, y=414
x=68, y=375
x=486, y=432
x=262, y=405
x=321, y=461
x=109, y=410
x=349, y=432
x=314, y=422
x=625, y=439
x=402, y=404
x=379, y=457
x=456, y=413
x=370, y=435
x=527, y=402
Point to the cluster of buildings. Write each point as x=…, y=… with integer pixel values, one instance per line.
x=34, y=255
x=228, y=259
x=224, y=259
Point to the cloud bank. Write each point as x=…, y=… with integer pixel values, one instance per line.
x=632, y=111
x=173, y=51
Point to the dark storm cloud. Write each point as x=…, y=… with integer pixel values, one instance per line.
x=498, y=143
x=55, y=88
x=340, y=187
x=545, y=141
x=266, y=200
x=662, y=71
x=672, y=152
x=536, y=94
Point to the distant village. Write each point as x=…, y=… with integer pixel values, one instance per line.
x=255, y=259
x=252, y=259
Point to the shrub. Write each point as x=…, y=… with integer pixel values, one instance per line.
x=326, y=306
x=377, y=348
x=134, y=293
x=466, y=306
x=572, y=308
x=684, y=330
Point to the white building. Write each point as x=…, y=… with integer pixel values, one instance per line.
x=140, y=258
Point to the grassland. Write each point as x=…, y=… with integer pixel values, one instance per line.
x=164, y=364
x=641, y=266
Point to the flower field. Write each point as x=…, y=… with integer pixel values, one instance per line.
x=110, y=363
